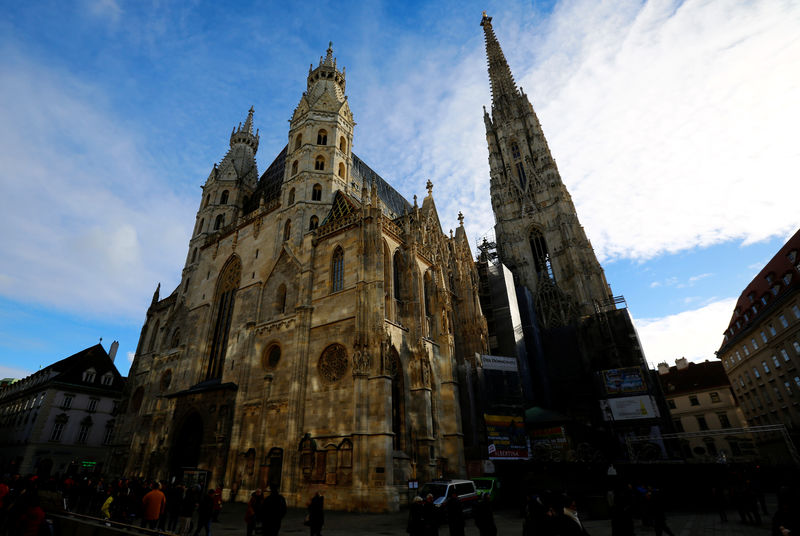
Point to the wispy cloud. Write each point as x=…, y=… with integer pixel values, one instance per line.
x=695, y=334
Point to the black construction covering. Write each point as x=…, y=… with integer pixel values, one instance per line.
x=269, y=185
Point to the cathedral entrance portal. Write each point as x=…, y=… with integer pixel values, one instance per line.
x=186, y=445
x=275, y=464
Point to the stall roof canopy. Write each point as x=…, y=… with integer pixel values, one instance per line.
x=540, y=415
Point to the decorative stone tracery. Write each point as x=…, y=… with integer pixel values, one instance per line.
x=332, y=363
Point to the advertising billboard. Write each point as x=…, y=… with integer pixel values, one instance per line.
x=494, y=362
x=624, y=381
x=629, y=407
x=507, y=438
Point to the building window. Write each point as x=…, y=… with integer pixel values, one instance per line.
x=741, y=381
x=515, y=154
x=724, y=422
x=92, y=404
x=785, y=354
x=224, y=301
x=341, y=169
x=88, y=375
x=797, y=381
x=541, y=256
x=701, y=422
x=783, y=320
x=746, y=351
x=738, y=356
x=58, y=429
x=715, y=397
x=295, y=166
x=337, y=270
x=766, y=368
x=291, y=197
x=764, y=337
x=271, y=357
x=316, y=193
x=521, y=174
x=788, y=386
x=298, y=142
x=796, y=348
x=109, y=433
x=756, y=373
x=693, y=400
x=671, y=404
x=67, y=401
x=776, y=362
x=287, y=230
x=219, y=222
x=771, y=329
x=313, y=223
x=796, y=311
x=678, y=425
x=755, y=344
x=322, y=137
x=223, y=199
x=342, y=144
x=778, y=395
x=83, y=433
x=319, y=164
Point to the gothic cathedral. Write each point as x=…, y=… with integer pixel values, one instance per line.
x=315, y=338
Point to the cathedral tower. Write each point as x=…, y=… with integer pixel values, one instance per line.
x=537, y=230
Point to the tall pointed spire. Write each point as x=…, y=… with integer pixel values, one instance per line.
x=499, y=72
x=244, y=133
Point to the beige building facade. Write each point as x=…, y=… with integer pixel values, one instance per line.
x=315, y=339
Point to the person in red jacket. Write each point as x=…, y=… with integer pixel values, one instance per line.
x=153, y=506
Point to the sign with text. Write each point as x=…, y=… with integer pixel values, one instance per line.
x=494, y=362
x=507, y=438
x=629, y=407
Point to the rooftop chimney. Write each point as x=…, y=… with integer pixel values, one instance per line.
x=681, y=363
x=663, y=368
x=112, y=352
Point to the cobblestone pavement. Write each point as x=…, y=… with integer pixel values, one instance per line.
x=508, y=523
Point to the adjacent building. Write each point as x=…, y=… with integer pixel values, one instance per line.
x=61, y=419
x=320, y=334
x=701, y=403
x=761, y=346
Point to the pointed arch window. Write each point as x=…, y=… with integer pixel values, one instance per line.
x=202, y=224
x=397, y=269
x=291, y=197
x=319, y=164
x=341, y=170
x=223, y=199
x=219, y=222
x=515, y=154
x=398, y=398
x=287, y=230
x=342, y=144
x=280, y=300
x=541, y=256
x=337, y=269
x=521, y=175
x=224, y=300
x=295, y=165
x=322, y=137
x=316, y=193
x=313, y=223
x=298, y=142
x=153, y=337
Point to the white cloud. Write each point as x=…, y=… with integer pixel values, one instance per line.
x=695, y=334
x=108, y=9
x=130, y=356
x=95, y=226
x=12, y=372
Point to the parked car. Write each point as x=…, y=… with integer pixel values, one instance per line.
x=487, y=485
x=441, y=489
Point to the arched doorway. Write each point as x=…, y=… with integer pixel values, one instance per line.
x=186, y=445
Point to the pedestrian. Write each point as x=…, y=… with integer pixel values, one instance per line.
x=273, y=509
x=174, y=496
x=720, y=504
x=188, y=505
x=484, y=519
x=416, y=518
x=106, y=508
x=567, y=523
x=657, y=512
x=316, y=514
x=204, y=512
x=455, y=515
x=786, y=521
x=153, y=506
x=430, y=517
x=621, y=503
x=217, y=504
x=253, y=512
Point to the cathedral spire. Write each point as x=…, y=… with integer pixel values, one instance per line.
x=499, y=72
x=244, y=133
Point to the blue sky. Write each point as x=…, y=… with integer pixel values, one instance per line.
x=672, y=123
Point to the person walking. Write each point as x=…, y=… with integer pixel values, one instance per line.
x=190, y=501
x=204, y=512
x=655, y=507
x=253, y=512
x=316, y=514
x=567, y=523
x=273, y=509
x=455, y=515
x=484, y=519
x=430, y=517
x=153, y=505
x=416, y=518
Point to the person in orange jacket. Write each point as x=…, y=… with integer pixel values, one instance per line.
x=153, y=505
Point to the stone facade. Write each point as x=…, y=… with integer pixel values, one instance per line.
x=315, y=338
x=539, y=237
